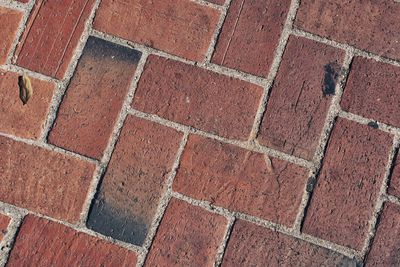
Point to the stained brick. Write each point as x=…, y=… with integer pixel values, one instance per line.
x=347, y=188
x=241, y=180
x=23, y=120
x=188, y=236
x=94, y=98
x=179, y=27
x=369, y=25
x=253, y=245
x=135, y=180
x=300, y=97
x=372, y=91
x=10, y=20
x=394, y=187
x=4, y=222
x=52, y=34
x=250, y=35
x=43, y=181
x=200, y=98
x=42, y=242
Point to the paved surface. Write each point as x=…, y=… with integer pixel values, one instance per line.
x=195, y=133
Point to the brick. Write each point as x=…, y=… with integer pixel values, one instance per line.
x=41, y=242
x=250, y=35
x=94, y=97
x=394, y=187
x=241, y=180
x=385, y=249
x=253, y=245
x=372, y=25
x=187, y=236
x=52, y=33
x=4, y=222
x=200, y=98
x=23, y=120
x=300, y=97
x=371, y=91
x=10, y=20
x=179, y=27
x=23, y=1
x=43, y=181
x=135, y=180
x=348, y=185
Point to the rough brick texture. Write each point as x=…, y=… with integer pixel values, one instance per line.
x=369, y=25
x=188, y=236
x=250, y=35
x=4, y=222
x=394, y=187
x=253, y=245
x=372, y=91
x=300, y=98
x=9, y=20
x=200, y=98
x=347, y=188
x=23, y=120
x=43, y=181
x=45, y=243
x=52, y=34
x=135, y=180
x=241, y=180
x=94, y=98
x=179, y=27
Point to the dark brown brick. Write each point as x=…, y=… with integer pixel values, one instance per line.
x=300, y=98
x=180, y=27
x=94, y=97
x=42, y=242
x=348, y=185
x=394, y=187
x=241, y=180
x=250, y=35
x=200, y=98
x=43, y=181
x=9, y=20
x=370, y=25
x=372, y=91
x=4, y=222
x=188, y=236
x=135, y=180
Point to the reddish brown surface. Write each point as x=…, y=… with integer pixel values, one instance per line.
x=10, y=20
x=4, y=222
x=394, y=187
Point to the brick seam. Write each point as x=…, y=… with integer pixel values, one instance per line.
x=8, y=240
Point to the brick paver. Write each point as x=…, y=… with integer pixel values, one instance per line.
x=4, y=222
x=10, y=20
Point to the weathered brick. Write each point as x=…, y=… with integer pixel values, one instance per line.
x=241, y=180
x=300, y=98
x=41, y=242
x=9, y=20
x=372, y=91
x=394, y=187
x=94, y=98
x=179, y=27
x=4, y=222
x=250, y=35
x=135, y=180
x=52, y=34
x=200, y=98
x=348, y=185
x=43, y=181
x=23, y=120
x=369, y=25
x=253, y=245
x=385, y=249
x=188, y=236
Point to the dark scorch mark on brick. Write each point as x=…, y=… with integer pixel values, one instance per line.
x=332, y=73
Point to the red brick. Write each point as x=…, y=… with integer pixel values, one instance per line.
x=372, y=91
x=94, y=97
x=42, y=242
x=10, y=20
x=43, y=181
x=300, y=98
x=253, y=245
x=179, y=27
x=200, y=98
x=385, y=249
x=348, y=185
x=135, y=180
x=188, y=236
x=250, y=35
x=4, y=222
x=394, y=187
x=23, y=120
x=369, y=25
x=52, y=34
x=241, y=180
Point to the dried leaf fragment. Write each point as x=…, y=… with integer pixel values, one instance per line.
x=25, y=88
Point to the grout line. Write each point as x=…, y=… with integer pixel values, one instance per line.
x=222, y=248
x=393, y=199
x=207, y=4
x=20, y=70
x=6, y=244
